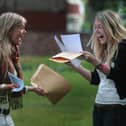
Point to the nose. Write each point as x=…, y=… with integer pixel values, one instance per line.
x=25, y=31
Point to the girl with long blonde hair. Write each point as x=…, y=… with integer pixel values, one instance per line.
x=108, y=42
x=12, y=31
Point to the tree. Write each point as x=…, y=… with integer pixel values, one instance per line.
x=97, y=5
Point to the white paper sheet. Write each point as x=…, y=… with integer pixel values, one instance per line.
x=59, y=43
x=72, y=42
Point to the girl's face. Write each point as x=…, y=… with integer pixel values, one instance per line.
x=16, y=34
x=100, y=32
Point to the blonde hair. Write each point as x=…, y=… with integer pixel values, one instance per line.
x=8, y=21
x=114, y=31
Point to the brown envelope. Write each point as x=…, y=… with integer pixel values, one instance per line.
x=64, y=57
x=56, y=86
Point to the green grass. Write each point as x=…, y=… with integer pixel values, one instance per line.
x=75, y=109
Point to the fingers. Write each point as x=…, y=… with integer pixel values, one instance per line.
x=91, y=58
x=12, y=86
x=86, y=55
x=40, y=91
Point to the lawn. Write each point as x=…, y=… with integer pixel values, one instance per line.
x=75, y=109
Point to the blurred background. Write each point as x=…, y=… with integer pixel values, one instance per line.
x=49, y=17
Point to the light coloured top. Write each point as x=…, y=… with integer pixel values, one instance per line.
x=107, y=92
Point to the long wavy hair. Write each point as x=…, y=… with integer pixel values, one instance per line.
x=115, y=32
x=8, y=22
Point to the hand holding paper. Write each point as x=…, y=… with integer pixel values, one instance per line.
x=39, y=90
x=16, y=80
x=70, y=47
x=50, y=81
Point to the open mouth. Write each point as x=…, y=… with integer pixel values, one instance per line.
x=101, y=36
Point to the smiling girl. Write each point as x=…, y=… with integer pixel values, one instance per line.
x=12, y=31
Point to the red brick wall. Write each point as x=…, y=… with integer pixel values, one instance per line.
x=46, y=21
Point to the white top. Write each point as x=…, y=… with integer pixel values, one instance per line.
x=107, y=92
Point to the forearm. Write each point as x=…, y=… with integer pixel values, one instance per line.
x=2, y=86
x=83, y=71
x=10, y=86
x=29, y=88
x=35, y=89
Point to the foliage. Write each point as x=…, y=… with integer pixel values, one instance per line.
x=103, y=4
x=122, y=12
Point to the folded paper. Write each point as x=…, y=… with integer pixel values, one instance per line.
x=52, y=82
x=16, y=80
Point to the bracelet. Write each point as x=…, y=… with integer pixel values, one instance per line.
x=102, y=67
x=2, y=86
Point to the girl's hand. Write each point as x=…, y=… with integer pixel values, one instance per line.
x=8, y=86
x=38, y=90
x=90, y=58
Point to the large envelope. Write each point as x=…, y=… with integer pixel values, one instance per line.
x=64, y=57
x=56, y=86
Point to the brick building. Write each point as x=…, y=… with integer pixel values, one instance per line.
x=45, y=18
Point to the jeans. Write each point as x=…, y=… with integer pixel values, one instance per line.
x=6, y=120
x=110, y=117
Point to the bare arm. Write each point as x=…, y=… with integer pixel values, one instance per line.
x=37, y=90
x=87, y=73
x=8, y=86
x=83, y=71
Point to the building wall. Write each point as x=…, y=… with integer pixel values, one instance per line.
x=45, y=21
x=43, y=43
x=48, y=15
x=33, y=5
x=45, y=15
